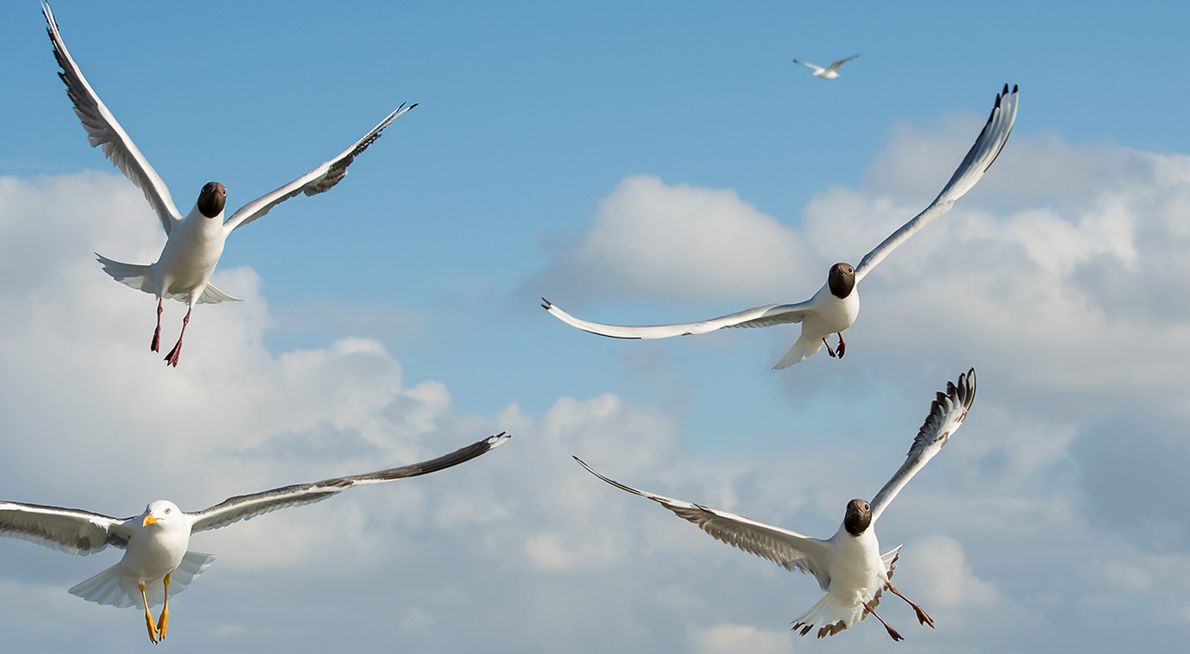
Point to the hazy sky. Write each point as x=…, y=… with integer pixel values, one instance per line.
x=634, y=162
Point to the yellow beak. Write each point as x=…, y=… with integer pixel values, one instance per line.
x=149, y=520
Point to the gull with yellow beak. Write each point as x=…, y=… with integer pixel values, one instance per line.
x=156, y=543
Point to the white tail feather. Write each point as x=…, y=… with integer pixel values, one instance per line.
x=212, y=295
x=803, y=348
x=132, y=275
x=116, y=588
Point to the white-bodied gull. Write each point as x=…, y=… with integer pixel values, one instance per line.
x=155, y=542
x=194, y=242
x=830, y=72
x=848, y=565
x=836, y=305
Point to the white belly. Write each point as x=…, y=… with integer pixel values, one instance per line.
x=832, y=315
x=153, y=554
x=856, y=570
x=190, y=256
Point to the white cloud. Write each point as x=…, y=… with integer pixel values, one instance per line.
x=944, y=576
x=730, y=638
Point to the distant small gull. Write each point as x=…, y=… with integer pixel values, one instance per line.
x=194, y=243
x=830, y=72
x=157, y=540
x=836, y=305
x=848, y=565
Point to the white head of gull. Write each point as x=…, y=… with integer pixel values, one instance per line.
x=156, y=543
x=848, y=565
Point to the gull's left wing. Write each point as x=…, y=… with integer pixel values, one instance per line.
x=946, y=415
x=837, y=64
x=786, y=548
x=809, y=65
x=245, y=507
x=103, y=130
x=73, y=531
x=316, y=181
x=977, y=162
x=765, y=316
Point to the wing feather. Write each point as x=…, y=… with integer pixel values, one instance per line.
x=321, y=179
x=103, y=130
x=765, y=316
x=979, y=159
x=73, y=531
x=245, y=507
x=786, y=548
x=837, y=64
x=947, y=413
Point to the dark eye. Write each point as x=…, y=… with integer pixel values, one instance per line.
x=167, y=510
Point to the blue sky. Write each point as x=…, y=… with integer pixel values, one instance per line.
x=534, y=119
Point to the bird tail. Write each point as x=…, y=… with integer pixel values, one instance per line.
x=212, y=295
x=116, y=588
x=140, y=277
x=803, y=348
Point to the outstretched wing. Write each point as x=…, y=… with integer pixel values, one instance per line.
x=766, y=316
x=322, y=178
x=809, y=65
x=977, y=162
x=946, y=415
x=73, y=531
x=102, y=129
x=245, y=507
x=837, y=64
x=786, y=548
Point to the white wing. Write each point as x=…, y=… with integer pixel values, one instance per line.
x=946, y=415
x=316, y=181
x=102, y=129
x=766, y=316
x=837, y=64
x=786, y=548
x=977, y=162
x=245, y=507
x=817, y=69
x=73, y=531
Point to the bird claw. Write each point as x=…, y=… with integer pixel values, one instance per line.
x=842, y=347
x=893, y=633
x=924, y=618
x=171, y=359
x=163, y=623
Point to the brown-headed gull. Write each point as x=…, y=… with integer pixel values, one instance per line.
x=194, y=242
x=848, y=566
x=836, y=305
x=830, y=72
x=156, y=558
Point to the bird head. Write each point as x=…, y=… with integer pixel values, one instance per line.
x=858, y=517
x=211, y=199
x=841, y=280
x=161, y=512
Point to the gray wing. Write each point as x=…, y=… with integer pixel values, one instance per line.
x=947, y=413
x=786, y=548
x=321, y=179
x=766, y=316
x=839, y=63
x=245, y=507
x=73, y=531
x=809, y=65
x=103, y=130
x=977, y=162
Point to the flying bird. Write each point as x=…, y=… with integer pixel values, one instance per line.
x=835, y=306
x=195, y=241
x=830, y=72
x=156, y=543
x=848, y=566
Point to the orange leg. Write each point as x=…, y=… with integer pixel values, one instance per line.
x=163, y=621
x=891, y=632
x=922, y=616
x=148, y=615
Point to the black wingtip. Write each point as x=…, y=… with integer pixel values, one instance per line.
x=1005, y=91
x=546, y=304
x=412, y=106
x=1014, y=88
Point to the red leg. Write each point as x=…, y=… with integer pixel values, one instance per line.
x=155, y=346
x=171, y=359
x=922, y=616
x=828, y=348
x=891, y=632
x=842, y=344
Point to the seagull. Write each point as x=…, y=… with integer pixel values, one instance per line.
x=195, y=242
x=157, y=541
x=848, y=565
x=830, y=72
x=836, y=305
